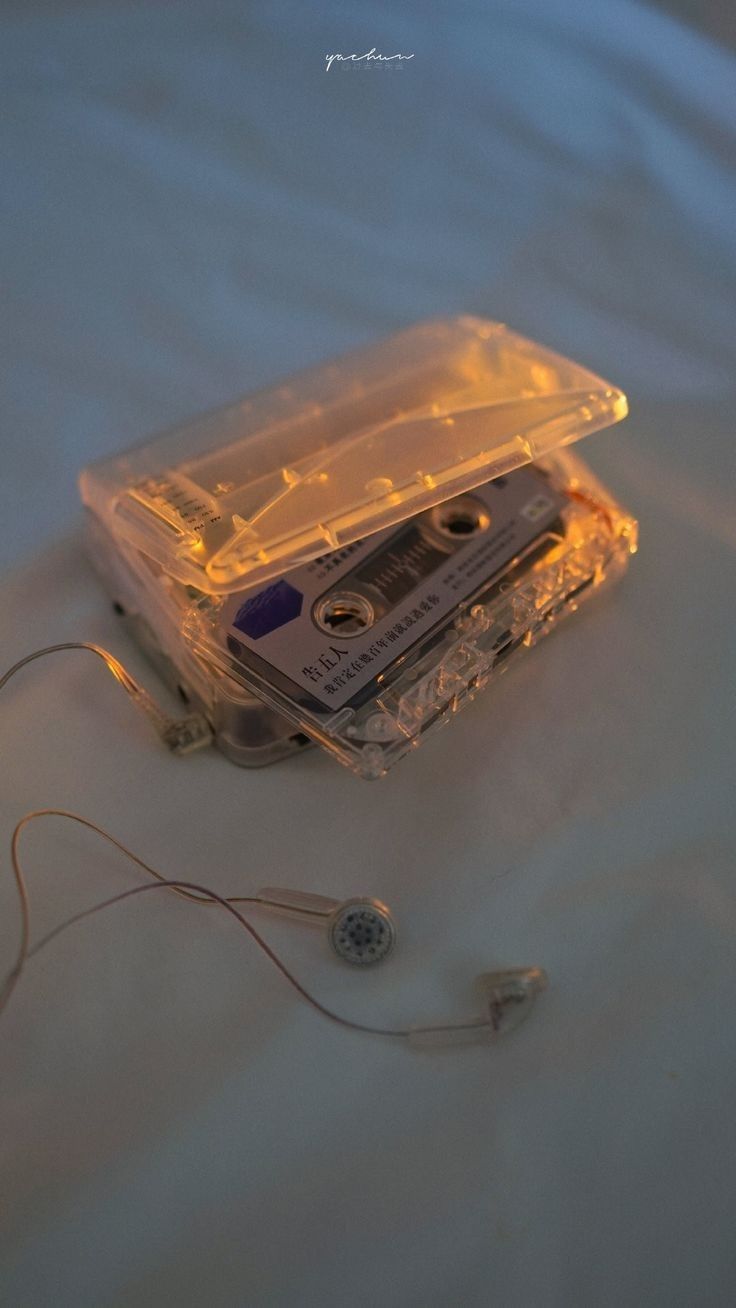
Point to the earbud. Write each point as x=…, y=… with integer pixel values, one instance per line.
x=508, y=998
x=360, y=931
x=363, y=931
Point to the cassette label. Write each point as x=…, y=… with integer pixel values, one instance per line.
x=336, y=624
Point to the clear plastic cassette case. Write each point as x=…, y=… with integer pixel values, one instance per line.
x=350, y=556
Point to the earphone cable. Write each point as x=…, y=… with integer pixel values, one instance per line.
x=192, y=889
x=180, y=735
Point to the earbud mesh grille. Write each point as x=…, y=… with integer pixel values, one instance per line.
x=362, y=933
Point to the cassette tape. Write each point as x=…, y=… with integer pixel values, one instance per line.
x=369, y=647
x=349, y=556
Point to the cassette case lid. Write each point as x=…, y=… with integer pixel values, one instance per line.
x=345, y=449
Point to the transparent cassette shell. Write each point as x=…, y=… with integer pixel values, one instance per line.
x=153, y=607
x=588, y=547
x=200, y=518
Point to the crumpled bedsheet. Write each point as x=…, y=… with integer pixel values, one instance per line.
x=193, y=207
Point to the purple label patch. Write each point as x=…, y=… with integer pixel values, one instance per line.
x=269, y=609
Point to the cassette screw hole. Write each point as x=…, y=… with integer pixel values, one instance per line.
x=380, y=727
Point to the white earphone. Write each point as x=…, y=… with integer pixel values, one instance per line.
x=360, y=931
x=363, y=931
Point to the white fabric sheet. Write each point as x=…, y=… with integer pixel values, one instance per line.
x=191, y=208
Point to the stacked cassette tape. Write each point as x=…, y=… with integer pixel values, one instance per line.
x=351, y=556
